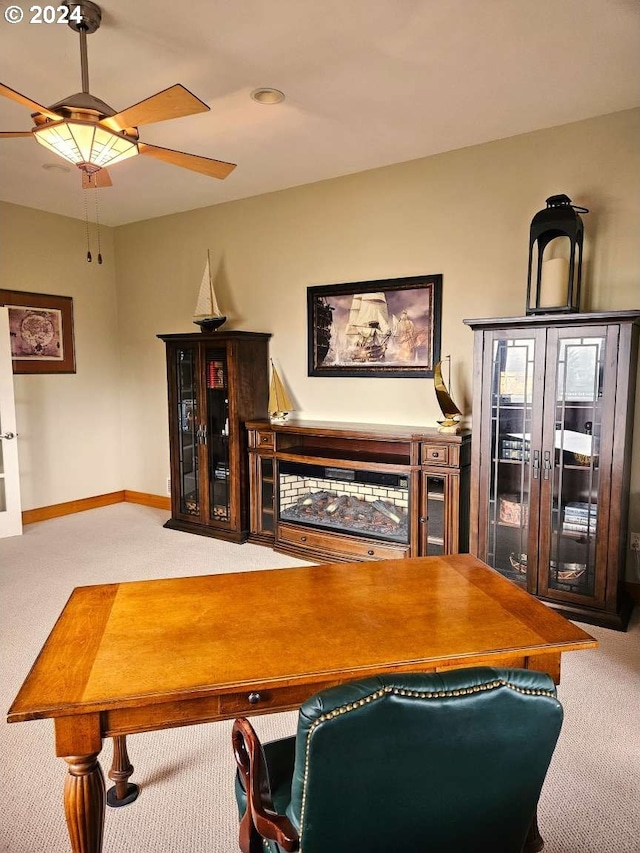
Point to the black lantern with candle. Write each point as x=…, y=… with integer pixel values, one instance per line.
x=553, y=283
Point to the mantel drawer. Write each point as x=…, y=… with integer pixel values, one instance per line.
x=330, y=543
x=261, y=438
x=435, y=454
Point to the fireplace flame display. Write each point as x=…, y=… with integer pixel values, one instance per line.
x=379, y=518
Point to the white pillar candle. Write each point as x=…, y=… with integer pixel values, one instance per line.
x=554, y=283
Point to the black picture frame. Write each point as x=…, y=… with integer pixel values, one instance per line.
x=385, y=328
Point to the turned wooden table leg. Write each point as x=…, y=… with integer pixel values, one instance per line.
x=123, y=792
x=84, y=799
x=535, y=841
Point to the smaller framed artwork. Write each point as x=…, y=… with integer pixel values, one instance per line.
x=41, y=332
x=375, y=328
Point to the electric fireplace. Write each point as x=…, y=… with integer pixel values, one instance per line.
x=368, y=503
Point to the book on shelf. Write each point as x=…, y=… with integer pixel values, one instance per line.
x=578, y=528
x=580, y=508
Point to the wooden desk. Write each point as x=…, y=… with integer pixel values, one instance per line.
x=133, y=657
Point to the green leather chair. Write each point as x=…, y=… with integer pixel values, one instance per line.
x=442, y=763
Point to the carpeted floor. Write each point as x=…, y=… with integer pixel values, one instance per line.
x=591, y=799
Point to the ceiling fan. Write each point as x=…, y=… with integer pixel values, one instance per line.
x=90, y=134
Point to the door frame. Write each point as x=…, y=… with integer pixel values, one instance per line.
x=10, y=503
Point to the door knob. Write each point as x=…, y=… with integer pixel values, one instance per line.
x=8, y=435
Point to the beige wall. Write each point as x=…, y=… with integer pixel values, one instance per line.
x=68, y=424
x=465, y=214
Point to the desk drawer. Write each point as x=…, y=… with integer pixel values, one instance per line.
x=333, y=544
x=265, y=701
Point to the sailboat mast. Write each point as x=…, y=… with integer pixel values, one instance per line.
x=214, y=306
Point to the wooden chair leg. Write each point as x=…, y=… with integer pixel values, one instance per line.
x=534, y=841
x=250, y=841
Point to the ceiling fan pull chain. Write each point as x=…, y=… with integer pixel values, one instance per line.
x=86, y=222
x=95, y=190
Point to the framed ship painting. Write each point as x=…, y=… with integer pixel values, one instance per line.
x=41, y=332
x=375, y=328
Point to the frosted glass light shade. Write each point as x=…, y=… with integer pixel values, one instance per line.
x=85, y=142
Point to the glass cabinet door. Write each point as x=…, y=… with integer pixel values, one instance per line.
x=510, y=471
x=570, y=515
x=187, y=433
x=217, y=433
x=434, y=490
x=267, y=517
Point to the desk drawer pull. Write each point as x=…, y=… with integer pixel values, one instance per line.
x=371, y=552
x=254, y=698
x=303, y=538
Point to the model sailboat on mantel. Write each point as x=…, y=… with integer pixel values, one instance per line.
x=450, y=424
x=207, y=314
x=279, y=404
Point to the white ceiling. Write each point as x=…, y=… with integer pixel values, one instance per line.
x=367, y=83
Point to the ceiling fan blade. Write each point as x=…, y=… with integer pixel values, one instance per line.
x=204, y=165
x=174, y=102
x=27, y=102
x=96, y=179
x=7, y=134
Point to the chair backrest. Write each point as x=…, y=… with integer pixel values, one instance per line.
x=433, y=762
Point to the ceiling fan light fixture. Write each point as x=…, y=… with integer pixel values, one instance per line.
x=85, y=143
x=266, y=95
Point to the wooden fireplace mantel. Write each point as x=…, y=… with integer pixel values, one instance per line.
x=435, y=465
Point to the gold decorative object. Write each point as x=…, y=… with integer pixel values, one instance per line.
x=564, y=572
x=450, y=424
x=279, y=402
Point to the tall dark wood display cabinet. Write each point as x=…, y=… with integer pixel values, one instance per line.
x=216, y=381
x=552, y=430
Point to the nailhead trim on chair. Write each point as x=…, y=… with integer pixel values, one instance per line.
x=398, y=691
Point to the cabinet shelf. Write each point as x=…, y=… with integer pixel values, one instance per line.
x=568, y=534
x=357, y=456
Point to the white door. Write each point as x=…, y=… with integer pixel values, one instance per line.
x=10, y=508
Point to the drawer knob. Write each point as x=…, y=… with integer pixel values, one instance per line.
x=435, y=453
x=423, y=519
x=303, y=538
x=254, y=698
x=371, y=552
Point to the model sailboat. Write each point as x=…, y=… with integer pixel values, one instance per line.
x=452, y=414
x=369, y=327
x=279, y=402
x=207, y=314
